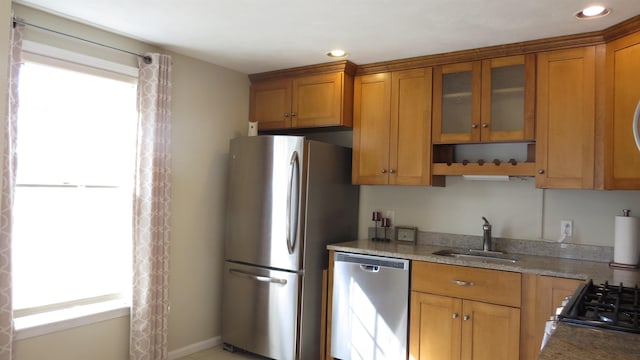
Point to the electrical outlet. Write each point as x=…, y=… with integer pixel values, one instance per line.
x=566, y=228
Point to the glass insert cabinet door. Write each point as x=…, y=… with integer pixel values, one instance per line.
x=484, y=101
x=456, y=102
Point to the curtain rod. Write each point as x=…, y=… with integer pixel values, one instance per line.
x=145, y=58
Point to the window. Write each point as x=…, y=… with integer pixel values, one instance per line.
x=73, y=199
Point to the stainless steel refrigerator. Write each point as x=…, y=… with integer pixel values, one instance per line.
x=288, y=198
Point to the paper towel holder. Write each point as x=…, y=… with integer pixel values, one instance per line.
x=615, y=265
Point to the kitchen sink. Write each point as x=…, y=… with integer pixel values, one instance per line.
x=472, y=254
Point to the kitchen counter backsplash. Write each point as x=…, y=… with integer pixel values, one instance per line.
x=513, y=246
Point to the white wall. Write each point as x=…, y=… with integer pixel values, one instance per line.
x=516, y=209
x=210, y=107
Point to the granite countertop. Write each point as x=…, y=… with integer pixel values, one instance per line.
x=567, y=341
x=531, y=264
x=570, y=342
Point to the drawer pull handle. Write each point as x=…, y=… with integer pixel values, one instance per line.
x=462, y=283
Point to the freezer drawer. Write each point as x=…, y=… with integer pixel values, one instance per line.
x=370, y=307
x=259, y=303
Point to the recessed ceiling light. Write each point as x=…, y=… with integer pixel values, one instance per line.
x=593, y=12
x=337, y=53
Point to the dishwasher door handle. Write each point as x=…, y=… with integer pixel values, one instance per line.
x=370, y=268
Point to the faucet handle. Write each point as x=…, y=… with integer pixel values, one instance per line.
x=487, y=224
x=486, y=236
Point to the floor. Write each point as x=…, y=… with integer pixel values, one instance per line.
x=217, y=353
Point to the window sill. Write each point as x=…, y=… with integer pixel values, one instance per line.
x=46, y=323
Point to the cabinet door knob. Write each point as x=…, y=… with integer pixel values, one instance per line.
x=466, y=317
x=384, y=171
x=455, y=315
x=474, y=126
x=484, y=126
x=541, y=171
x=391, y=171
x=286, y=115
x=293, y=114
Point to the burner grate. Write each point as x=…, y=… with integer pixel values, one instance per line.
x=607, y=306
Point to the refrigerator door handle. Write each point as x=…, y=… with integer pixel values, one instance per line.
x=636, y=124
x=266, y=279
x=294, y=165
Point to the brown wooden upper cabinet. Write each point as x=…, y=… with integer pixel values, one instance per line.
x=271, y=104
x=622, y=157
x=566, y=118
x=392, y=128
x=309, y=101
x=484, y=101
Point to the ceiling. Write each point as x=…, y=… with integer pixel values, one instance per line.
x=254, y=36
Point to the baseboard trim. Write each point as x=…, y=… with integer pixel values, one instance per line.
x=194, y=348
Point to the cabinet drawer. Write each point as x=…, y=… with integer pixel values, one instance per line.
x=492, y=286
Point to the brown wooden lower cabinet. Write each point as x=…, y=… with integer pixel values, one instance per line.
x=541, y=295
x=434, y=333
x=460, y=312
x=444, y=327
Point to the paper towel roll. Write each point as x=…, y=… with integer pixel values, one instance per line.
x=626, y=248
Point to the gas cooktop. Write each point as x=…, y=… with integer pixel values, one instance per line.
x=606, y=306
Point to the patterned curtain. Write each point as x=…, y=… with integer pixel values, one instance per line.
x=9, y=164
x=150, y=298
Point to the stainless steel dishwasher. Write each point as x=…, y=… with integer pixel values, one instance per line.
x=370, y=307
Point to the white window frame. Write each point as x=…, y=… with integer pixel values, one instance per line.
x=58, y=320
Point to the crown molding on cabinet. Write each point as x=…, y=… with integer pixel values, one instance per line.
x=533, y=46
x=555, y=43
x=526, y=47
x=624, y=28
x=345, y=66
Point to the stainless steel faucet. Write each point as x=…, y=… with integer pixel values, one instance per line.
x=486, y=235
